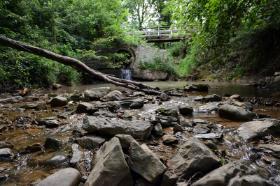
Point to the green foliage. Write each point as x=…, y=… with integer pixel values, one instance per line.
x=216, y=25
x=159, y=65
x=68, y=27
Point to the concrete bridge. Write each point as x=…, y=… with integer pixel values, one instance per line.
x=162, y=34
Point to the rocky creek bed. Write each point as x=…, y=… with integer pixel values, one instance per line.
x=108, y=136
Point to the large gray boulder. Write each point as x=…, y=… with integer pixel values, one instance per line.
x=111, y=126
x=63, y=177
x=141, y=159
x=235, y=113
x=192, y=157
x=258, y=128
x=226, y=175
x=85, y=107
x=96, y=94
x=110, y=166
x=114, y=95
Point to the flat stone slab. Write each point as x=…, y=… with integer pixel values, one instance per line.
x=236, y=113
x=111, y=126
x=258, y=128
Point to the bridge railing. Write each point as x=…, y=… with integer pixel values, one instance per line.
x=160, y=33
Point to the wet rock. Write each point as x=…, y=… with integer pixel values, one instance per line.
x=33, y=148
x=48, y=122
x=58, y=160
x=192, y=157
x=59, y=178
x=143, y=161
x=258, y=128
x=52, y=143
x=133, y=104
x=138, y=94
x=85, y=107
x=76, y=154
x=168, y=112
x=137, y=104
x=250, y=180
x=38, y=105
x=199, y=122
x=112, y=126
x=112, y=106
x=164, y=97
x=198, y=98
x=125, y=141
x=114, y=95
x=157, y=130
x=245, y=105
x=58, y=101
x=276, y=74
x=274, y=149
x=236, y=97
x=110, y=167
x=185, y=110
x=4, y=144
x=142, y=182
x=223, y=175
x=197, y=87
x=185, y=122
x=201, y=129
x=235, y=113
x=209, y=107
x=167, y=121
x=212, y=98
x=76, y=97
x=6, y=154
x=209, y=98
x=90, y=142
x=56, y=86
x=169, y=179
x=14, y=99
x=169, y=140
x=96, y=94
x=209, y=136
x=177, y=128
x=3, y=176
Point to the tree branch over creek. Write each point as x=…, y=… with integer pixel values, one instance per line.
x=77, y=64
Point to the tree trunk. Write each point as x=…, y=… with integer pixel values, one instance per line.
x=77, y=64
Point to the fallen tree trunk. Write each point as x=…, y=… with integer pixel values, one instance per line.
x=77, y=64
